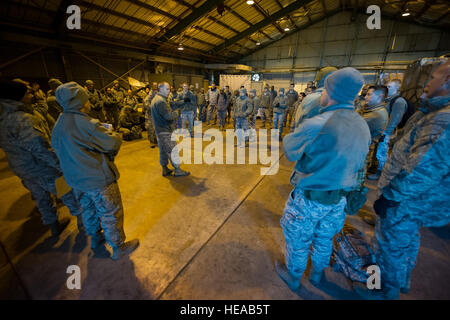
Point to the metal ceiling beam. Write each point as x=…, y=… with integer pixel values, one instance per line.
x=118, y=14
x=186, y=4
x=263, y=23
x=424, y=9
x=211, y=18
x=297, y=29
x=261, y=11
x=149, y=39
x=154, y=9
x=104, y=46
x=442, y=17
x=237, y=15
x=211, y=34
x=168, y=48
x=16, y=59
x=281, y=7
x=194, y=16
x=338, y=10
x=136, y=20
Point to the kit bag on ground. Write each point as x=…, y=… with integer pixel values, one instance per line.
x=352, y=255
x=133, y=134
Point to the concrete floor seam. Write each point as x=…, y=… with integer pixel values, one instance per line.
x=214, y=233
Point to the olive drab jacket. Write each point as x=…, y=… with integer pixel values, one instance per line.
x=25, y=138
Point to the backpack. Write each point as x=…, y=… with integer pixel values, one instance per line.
x=352, y=254
x=410, y=110
x=133, y=134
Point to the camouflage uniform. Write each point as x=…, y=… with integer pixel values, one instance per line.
x=398, y=107
x=96, y=100
x=86, y=150
x=151, y=135
x=25, y=138
x=120, y=95
x=279, y=108
x=417, y=177
x=42, y=107
x=112, y=108
x=310, y=226
x=266, y=105
x=103, y=210
x=292, y=97
x=163, y=118
x=201, y=101
x=212, y=97
x=243, y=108
x=168, y=150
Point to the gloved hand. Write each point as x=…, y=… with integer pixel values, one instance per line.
x=382, y=204
x=187, y=99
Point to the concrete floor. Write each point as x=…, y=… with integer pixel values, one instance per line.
x=212, y=235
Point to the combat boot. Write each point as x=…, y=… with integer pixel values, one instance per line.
x=125, y=249
x=180, y=173
x=166, y=171
x=58, y=227
x=407, y=287
x=97, y=240
x=315, y=276
x=292, y=281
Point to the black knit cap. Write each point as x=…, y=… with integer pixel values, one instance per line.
x=12, y=90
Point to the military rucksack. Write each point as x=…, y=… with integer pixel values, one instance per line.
x=352, y=255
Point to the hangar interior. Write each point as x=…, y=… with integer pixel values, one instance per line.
x=216, y=233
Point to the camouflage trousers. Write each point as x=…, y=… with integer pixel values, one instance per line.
x=265, y=117
x=150, y=130
x=309, y=227
x=211, y=113
x=382, y=152
x=168, y=150
x=43, y=190
x=288, y=113
x=103, y=210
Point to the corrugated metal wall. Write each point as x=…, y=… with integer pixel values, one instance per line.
x=338, y=42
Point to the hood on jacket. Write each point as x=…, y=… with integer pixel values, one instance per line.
x=71, y=96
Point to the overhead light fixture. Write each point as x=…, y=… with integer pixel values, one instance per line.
x=258, y=43
x=406, y=13
x=250, y=2
x=286, y=29
x=180, y=47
